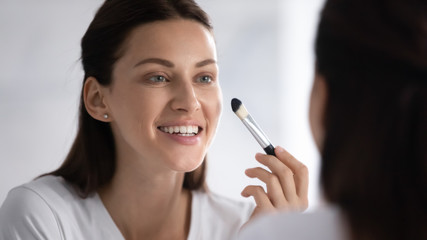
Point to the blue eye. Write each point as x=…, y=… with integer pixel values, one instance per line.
x=205, y=79
x=158, y=78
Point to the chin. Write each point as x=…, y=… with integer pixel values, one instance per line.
x=188, y=164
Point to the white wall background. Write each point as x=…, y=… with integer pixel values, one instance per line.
x=265, y=58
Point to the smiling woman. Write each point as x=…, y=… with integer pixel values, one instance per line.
x=163, y=90
x=150, y=106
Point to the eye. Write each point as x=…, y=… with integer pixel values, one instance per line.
x=205, y=79
x=157, y=78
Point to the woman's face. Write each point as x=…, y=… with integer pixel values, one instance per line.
x=165, y=100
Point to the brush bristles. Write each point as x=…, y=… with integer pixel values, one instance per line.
x=235, y=104
x=239, y=109
x=242, y=113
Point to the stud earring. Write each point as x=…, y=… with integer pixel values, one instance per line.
x=105, y=116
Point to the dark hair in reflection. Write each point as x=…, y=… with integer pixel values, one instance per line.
x=90, y=163
x=373, y=55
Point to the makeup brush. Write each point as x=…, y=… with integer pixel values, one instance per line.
x=241, y=112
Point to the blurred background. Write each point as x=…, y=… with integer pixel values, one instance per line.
x=265, y=51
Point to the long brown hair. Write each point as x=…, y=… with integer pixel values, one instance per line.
x=373, y=55
x=91, y=161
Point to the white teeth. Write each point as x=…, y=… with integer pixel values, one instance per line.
x=181, y=130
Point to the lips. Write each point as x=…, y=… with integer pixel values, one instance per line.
x=184, y=130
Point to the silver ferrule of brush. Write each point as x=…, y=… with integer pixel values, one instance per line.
x=256, y=131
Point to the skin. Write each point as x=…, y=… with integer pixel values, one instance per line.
x=168, y=76
x=318, y=100
x=286, y=181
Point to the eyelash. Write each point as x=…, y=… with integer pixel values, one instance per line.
x=211, y=79
x=153, y=78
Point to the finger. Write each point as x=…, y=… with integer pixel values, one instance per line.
x=259, y=195
x=283, y=172
x=298, y=168
x=274, y=188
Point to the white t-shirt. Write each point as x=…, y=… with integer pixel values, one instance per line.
x=323, y=223
x=49, y=208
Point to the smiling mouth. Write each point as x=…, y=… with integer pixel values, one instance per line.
x=186, y=131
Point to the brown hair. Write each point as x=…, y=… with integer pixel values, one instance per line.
x=373, y=55
x=91, y=161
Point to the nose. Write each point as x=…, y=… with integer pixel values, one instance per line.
x=185, y=98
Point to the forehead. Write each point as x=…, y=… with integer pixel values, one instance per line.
x=176, y=36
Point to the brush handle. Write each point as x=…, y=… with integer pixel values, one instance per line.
x=269, y=150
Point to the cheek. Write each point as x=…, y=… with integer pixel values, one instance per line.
x=216, y=105
x=213, y=108
x=312, y=114
x=135, y=109
x=316, y=112
x=149, y=107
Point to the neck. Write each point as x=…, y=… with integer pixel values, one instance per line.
x=148, y=205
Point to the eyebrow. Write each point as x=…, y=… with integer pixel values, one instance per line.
x=160, y=61
x=205, y=62
x=169, y=64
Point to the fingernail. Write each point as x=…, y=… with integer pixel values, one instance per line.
x=280, y=149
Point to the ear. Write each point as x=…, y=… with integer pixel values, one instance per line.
x=94, y=100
